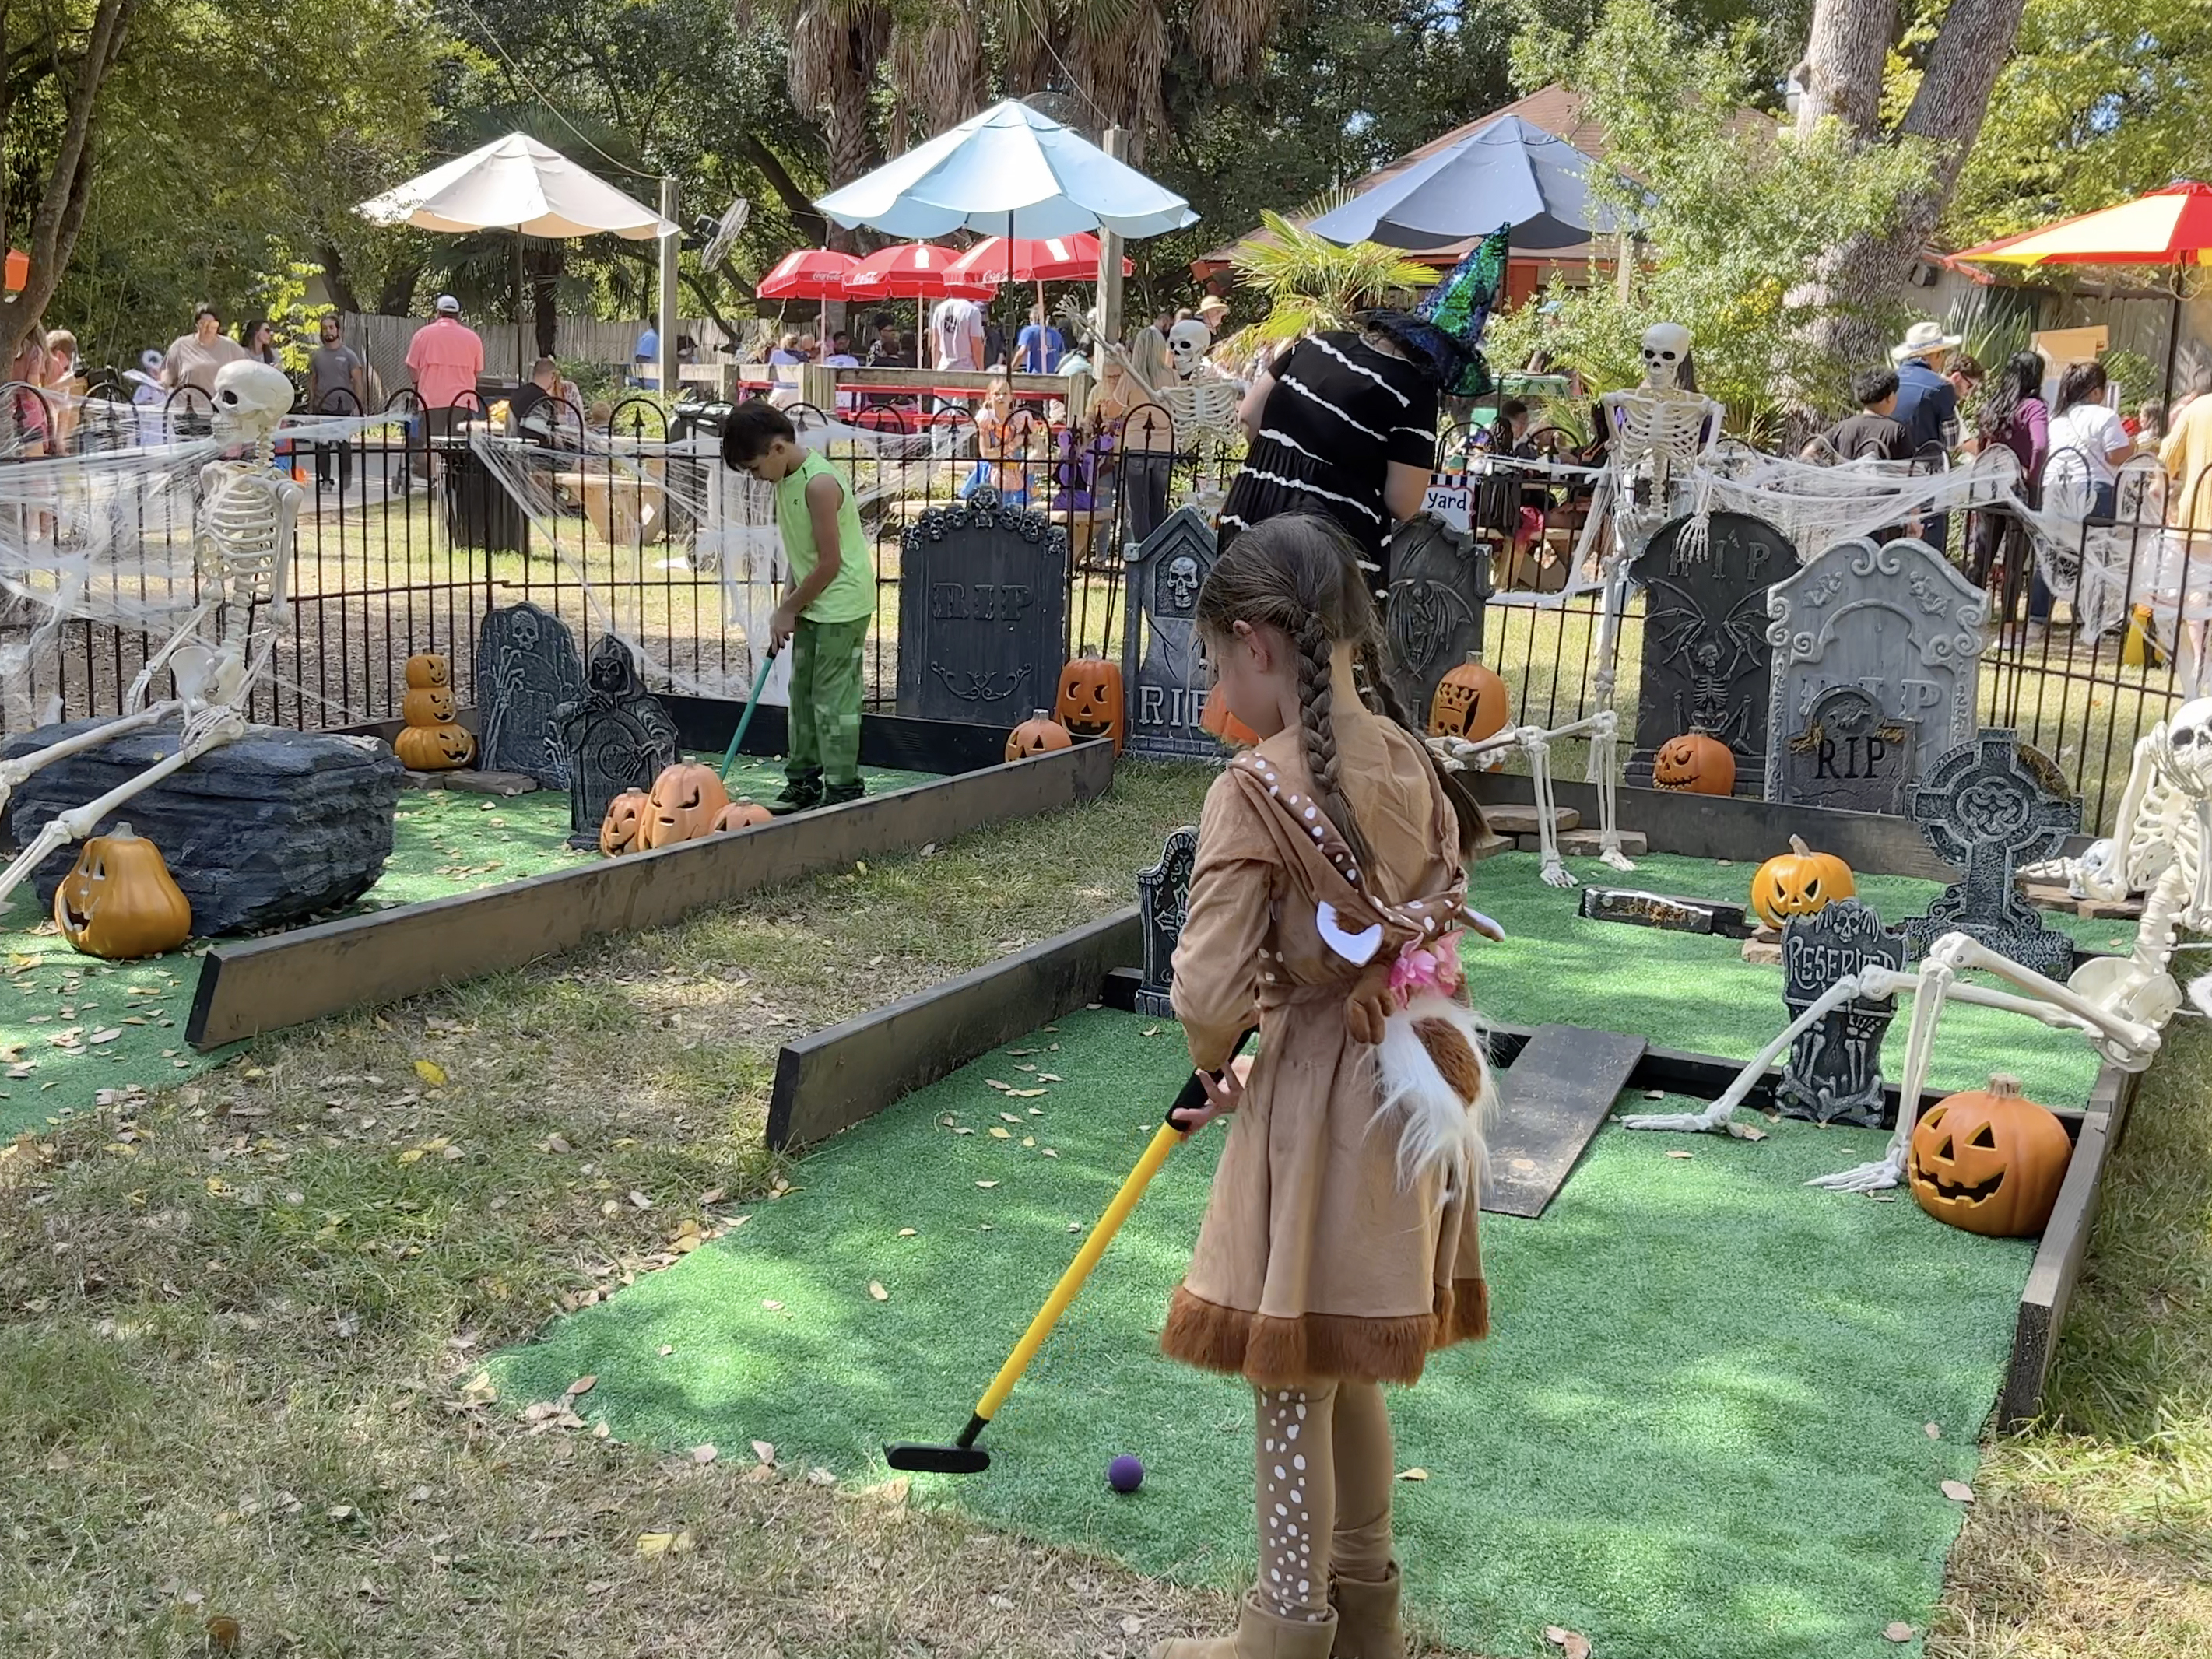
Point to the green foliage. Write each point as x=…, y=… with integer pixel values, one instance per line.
x=1311, y=284
x=1735, y=215
x=279, y=295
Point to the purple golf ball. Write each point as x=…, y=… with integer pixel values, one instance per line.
x=1125, y=1473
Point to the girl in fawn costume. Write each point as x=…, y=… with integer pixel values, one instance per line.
x=1339, y=1247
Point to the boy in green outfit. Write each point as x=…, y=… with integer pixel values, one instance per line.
x=825, y=613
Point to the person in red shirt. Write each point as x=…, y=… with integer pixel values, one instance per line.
x=445, y=357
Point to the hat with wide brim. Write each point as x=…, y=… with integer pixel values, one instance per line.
x=1212, y=302
x=1921, y=339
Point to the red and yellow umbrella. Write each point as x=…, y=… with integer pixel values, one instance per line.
x=2168, y=227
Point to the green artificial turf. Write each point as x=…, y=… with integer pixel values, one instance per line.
x=1691, y=991
x=443, y=842
x=1696, y=1431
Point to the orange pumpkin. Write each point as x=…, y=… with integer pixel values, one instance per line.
x=742, y=814
x=434, y=748
x=119, y=901
x=1798, y=883
x=1089, y=701
x=618, y=833
x=1471, y=702
x=1696, y=764
x=427, y=668
x=427, y=705
x=1036, y=735
x=1988, y=1160
x=686, y=799
x=1216, y=718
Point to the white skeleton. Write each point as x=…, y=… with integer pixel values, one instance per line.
x=2119, y=1005
x=1457, y=754
x=1203, y=398
x=242, y=546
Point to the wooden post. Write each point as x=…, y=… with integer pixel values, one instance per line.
x=670, y=245
x=818, y=385
x=1109, y=312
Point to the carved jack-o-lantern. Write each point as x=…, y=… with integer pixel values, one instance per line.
x=1696, y=764
x=1216, y=718
x=742, y=814
x=1799, y=882
x=427, y=705
x=1988, y=1160
x=686, y=799
x=1036, y=735
x=427, y=668
x=118, y=899
x=618, y=833
x=1089, y=701
x=434, y=748
x=1471, y=702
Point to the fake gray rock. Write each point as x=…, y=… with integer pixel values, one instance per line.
x=261, y=832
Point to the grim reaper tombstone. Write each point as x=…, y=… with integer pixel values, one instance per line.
x=1877, y=655
x=526, y=670
x=619, y=737
x=982, y=613
x=1706, y=660
x=1162, y=662
x=1432, y=614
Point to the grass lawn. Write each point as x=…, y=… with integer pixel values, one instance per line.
x=237, y=1326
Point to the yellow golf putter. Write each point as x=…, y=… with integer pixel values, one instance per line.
x=963, y=1455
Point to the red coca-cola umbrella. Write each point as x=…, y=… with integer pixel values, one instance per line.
x=810, y=273
x=1038, y=259
x=920, y=272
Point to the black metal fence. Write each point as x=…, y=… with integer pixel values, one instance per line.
x=406, y=540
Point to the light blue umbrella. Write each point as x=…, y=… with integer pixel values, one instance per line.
x=1008, y=172
x=1508, y=172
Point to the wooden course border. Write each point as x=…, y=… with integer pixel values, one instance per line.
x=837, y=1077
x=251, y=985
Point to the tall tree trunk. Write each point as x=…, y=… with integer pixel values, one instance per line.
x=1844, y=60
x=344, y=297
x=1864, y=281
x=543, y=265
x=59, y=214
x=395, y=296
x=809, y=218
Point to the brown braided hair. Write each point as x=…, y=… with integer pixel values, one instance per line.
x=1300, y=573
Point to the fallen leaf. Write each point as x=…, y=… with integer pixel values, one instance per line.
x=765, y=1450
x=665, y=1349
x=641, y=1200
x=1899, y=1632
x=221, y=1634
x=1575, y=1643
x=771, y=1305
x=582, y=1385
x=892, y=1493
x=1009, y=1117
x=108, y=1036
x=431, y=1073
x=993, y=1082
x=986, y=1185
x=820, y=1478
x=876, y=1290
x=1150, y=1031
x=1412, y=1474
x=1024, y=1094
x=412, y=1155
x=1680, y=1154
x=999, y=1133
x=1747, y=1132
x=665, y=1543
x=1932, y=1431
x=1957, y=1492
x=704, y=1454
x=906, y=1232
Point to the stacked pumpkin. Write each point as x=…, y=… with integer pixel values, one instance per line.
x=433, y=741
x=686, y=802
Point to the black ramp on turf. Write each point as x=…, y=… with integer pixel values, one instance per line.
x=1552, y=1100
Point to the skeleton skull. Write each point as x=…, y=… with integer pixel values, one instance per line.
x=1665, y=349
x=2185, y=752
x=1181, y=579
x=250, y=399
x=1188, y=341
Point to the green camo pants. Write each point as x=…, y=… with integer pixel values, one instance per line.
x=825, y=701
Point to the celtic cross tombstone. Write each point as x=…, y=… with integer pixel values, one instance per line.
x=1894, y=623
x=982, y=613
x=1991, y=805
x=1163, y=664
x=1163, y=905
x=1833, y=1071
x=1440, y=578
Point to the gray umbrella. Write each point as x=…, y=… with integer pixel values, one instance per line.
x=1507, y=172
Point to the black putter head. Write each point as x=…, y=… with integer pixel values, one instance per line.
x=920, y=1457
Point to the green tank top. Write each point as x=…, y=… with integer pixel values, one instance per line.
x=851, y=594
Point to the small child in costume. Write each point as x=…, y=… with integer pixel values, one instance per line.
x=826, y=612
x=1339, y=1247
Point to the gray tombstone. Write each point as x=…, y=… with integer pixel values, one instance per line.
x=619, y=737
x=1833, y=1071
x=526, y=671
x=1163, y=905
x=1439, y=580
x=1893, y=620
x=1707, y=665
x=1991, y=804
x=982, y=613
x=1847, y=754
x=1163, y=664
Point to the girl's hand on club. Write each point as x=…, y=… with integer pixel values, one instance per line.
x=1223, y=1093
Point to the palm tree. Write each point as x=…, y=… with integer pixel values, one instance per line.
x=1312, y=284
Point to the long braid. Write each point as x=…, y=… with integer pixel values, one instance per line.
x=1317, y=723
x=1474, y=822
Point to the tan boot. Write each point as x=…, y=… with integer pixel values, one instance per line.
x=1367, y=1617
x=1259, y=1635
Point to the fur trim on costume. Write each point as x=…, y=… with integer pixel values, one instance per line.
x=1316, y=1347
x=1435, y=1077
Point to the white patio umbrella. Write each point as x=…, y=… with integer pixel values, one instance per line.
x=516, y=184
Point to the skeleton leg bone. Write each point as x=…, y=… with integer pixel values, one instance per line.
x=14, y=772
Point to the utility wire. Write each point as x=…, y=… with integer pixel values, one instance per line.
x=523, y=75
